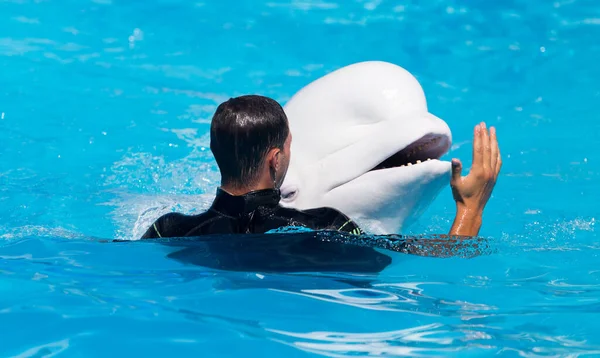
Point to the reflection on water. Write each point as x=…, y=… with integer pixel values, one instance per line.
x=455, y=326
x=434, y=340
x=46, y=350
x=400, y=297
x=397, y=343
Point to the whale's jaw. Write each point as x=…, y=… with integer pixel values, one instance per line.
x=387, y=201
x=392, y=192
x=392, y=195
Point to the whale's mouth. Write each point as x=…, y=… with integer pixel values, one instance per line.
x=428, y=147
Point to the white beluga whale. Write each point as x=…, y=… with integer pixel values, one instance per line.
x=364, y=142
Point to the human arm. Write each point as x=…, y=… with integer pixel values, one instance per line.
x=471, y=193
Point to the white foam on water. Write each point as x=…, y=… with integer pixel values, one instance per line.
x=153, y=186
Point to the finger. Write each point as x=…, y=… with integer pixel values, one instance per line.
x=498, y=158
x=456, y=170
x=494, y=149
x=487, y=150
x=498, y=165
x=477, y=148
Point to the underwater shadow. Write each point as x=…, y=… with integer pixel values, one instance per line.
x=311, y=251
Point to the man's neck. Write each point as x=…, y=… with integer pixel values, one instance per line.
x=237, y=191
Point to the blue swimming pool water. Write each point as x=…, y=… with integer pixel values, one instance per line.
x=104, y=110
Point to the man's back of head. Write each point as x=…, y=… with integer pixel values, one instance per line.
x=243, y=131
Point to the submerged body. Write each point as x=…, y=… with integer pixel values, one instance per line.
x=256, y=212
x=229, y=236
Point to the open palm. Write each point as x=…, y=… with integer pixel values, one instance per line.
x=474, y=190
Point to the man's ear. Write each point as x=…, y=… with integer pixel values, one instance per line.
x=273, y=162
x=273, y=158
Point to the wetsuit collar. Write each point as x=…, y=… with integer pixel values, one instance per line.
x=237, y=205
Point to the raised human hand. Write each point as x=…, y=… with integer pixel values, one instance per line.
x=473, y=191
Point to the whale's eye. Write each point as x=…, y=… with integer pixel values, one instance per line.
x=289, y=194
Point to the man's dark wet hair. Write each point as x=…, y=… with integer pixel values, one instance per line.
x=242, y=131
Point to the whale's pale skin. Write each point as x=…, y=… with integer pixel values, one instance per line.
x=349, y=122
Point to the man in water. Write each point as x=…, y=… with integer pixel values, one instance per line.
x=250, y=140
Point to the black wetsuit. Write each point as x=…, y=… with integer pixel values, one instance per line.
x=253, y=213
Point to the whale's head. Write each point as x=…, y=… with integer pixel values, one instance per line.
x=365, y=143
